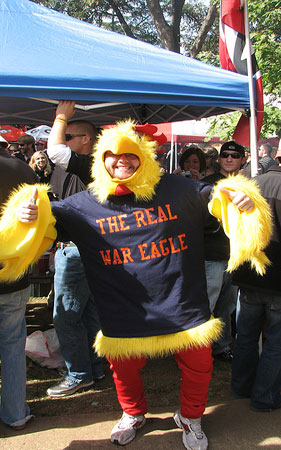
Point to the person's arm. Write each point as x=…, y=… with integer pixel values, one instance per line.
x=64, y=113
x=57, y=150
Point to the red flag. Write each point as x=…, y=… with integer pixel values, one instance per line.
x=232, y=57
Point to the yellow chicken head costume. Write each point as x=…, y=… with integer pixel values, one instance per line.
x=127, y=137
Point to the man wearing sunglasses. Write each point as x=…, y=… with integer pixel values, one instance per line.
x=231, y=158
x=26, y=146
x=222, y=294
x=70, y=146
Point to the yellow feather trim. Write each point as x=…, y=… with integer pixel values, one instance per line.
x=119, y=139
x=21, y=244
x=249, y=232
x=201, y=336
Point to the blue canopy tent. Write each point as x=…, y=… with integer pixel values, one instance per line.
x=46, y=56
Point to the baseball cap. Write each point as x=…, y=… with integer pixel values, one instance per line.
x=232, y=145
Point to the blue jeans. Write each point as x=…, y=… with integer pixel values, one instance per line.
x=255, y=375
x=222, y=299
x=75, y=317
x=14, y=409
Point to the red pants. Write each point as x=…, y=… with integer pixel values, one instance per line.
x=196, y=367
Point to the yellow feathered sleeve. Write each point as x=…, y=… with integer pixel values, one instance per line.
x=21, y=244
x=249, y=232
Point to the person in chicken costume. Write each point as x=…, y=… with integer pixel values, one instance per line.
x=140, y=234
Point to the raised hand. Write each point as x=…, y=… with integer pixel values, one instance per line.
x=65, y=109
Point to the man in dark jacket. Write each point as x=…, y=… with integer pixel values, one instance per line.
x=222, y=294
x=13, y=298
x=254, y=375
x=266, y=160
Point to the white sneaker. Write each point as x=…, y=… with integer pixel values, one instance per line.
x=125, y=430
x=193, y=436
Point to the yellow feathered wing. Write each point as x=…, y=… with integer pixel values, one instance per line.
x=249, y=233
x=22, y=244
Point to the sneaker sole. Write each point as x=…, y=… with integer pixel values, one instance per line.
x=179, y=424
x=73, y=391
x=116, y=442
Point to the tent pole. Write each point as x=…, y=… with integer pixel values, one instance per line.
x=253, y=120
x=172, y=151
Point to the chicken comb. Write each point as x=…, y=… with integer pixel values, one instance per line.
x=150, y=131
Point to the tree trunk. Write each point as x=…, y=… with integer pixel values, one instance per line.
x=169, y=34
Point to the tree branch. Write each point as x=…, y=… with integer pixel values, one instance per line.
x=205, y=28
x=127, y=30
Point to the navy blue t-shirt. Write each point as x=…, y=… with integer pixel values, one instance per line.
x=144, y=260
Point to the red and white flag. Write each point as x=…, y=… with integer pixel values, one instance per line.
x=233, y=57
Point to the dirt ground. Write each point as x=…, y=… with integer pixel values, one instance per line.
x=161, y=379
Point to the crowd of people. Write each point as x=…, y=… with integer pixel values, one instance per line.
x=117, y=221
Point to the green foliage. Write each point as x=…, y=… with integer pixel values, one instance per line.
x=209, y=57
x=272, y=122
x=223, y=126
x=265, y=21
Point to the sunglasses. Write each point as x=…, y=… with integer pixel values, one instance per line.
x=233, y=155
x=68, y=137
